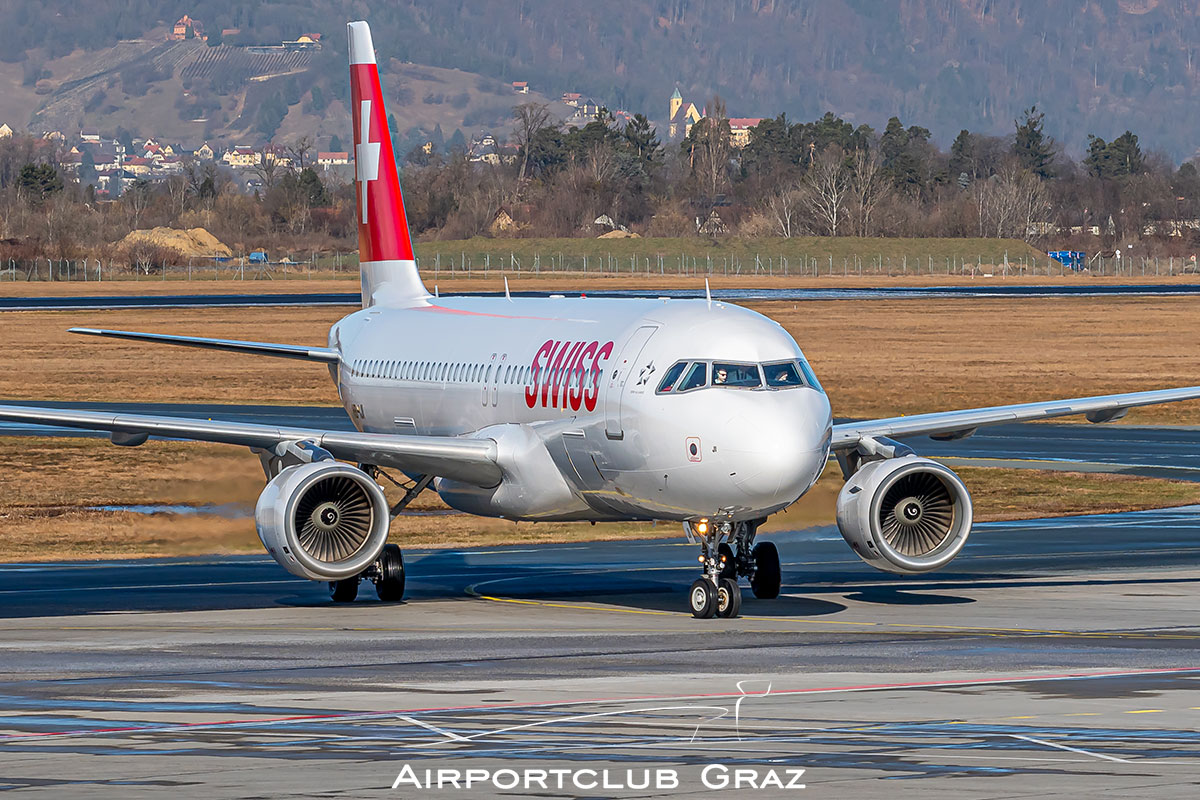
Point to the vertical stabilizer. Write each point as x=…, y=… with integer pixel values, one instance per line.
x=385, y=253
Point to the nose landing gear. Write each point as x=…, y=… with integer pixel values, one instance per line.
x=727, y=553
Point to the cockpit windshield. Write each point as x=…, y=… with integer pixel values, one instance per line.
x=697, y=376
x=739, y=376
x=784, y=373
x=684, y=376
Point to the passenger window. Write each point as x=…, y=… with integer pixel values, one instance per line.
x=669, y=380
x=739, y=376
x=697, y=376
x=783, y=374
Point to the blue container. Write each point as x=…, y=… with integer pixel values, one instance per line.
x=1072, y=259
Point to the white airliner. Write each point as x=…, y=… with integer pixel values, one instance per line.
x=572, y=408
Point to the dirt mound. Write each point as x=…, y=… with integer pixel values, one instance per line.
x=618, y=235
x=193, y=242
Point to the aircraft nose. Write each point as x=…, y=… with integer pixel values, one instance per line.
x=779, y=451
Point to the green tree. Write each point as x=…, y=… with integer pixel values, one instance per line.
x=1033, y=149
x=38, y=181
x=963, y=155
x=642, y=140
x=1116, y=159
x=311, y=189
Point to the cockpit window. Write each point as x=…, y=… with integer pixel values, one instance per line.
x=740, y=376
x=783, y=374
x=810, y=376
x=696, y=377
x=672, y=376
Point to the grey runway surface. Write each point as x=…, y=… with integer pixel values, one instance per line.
x=1054, y=658
x=983, y=289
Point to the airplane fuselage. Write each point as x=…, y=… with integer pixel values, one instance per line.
x=577, y=386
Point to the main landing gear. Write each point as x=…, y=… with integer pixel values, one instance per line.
x=388, y=570
x=728, y=552
x=387, y=573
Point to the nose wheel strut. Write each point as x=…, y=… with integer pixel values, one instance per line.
x=727, y=553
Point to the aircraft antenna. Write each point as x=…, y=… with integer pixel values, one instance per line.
x=507, y=296
x=707, y=293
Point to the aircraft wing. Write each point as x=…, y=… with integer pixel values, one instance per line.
x=323, y=354
x=469, y=460
x=959, y=424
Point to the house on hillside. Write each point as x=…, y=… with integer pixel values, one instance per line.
x=739, y=130
x=521, y=87
x=89, y=135
x=187, y=28
x=572, y=98
x=333, y=159
x=242, y=157
x=205, y=153
x=5, y=131
x=681, y=117
x=305, y=41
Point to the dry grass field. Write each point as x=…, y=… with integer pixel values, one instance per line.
x=60, y=493
x=875, y=358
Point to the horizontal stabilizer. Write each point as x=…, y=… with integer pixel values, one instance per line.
x=302, y=352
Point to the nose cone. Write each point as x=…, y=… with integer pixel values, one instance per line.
x=778, y=451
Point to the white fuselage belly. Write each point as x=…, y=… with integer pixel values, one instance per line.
x=581, y=374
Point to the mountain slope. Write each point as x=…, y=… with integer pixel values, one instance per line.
x=1095, y=66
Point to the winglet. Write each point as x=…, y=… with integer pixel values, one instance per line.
x=388, y=268
x=507, y=296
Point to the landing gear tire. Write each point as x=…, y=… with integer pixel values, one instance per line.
x=728, y=564
x=729, y=598
x=344, y=591
x=389, y=584
x=767, y=578
x=702, y=598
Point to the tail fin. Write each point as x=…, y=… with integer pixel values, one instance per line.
x=385, y=253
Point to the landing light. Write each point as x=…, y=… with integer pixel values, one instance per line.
x=702, y=527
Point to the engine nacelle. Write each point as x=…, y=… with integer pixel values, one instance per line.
x=905, y=515
x=324, y=521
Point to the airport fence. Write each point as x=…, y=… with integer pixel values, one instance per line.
x=481, y=264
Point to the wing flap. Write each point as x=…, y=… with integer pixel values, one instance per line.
x=303, y=352
x=470, y=460
x=1102, y=408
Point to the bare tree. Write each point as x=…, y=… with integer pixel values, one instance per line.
x=299, y=150
x=869, y=187
x=530, y=118
x=270, y=167
x=709, y=148
x=1009, y=202
x=784, y=206
x=826, y=188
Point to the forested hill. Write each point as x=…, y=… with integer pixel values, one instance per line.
x=1094, y=66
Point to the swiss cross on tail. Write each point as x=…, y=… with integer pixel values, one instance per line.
x=366, y=158
x=382, y=229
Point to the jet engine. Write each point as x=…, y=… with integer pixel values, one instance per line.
x=905, y=515
x=325, y=520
